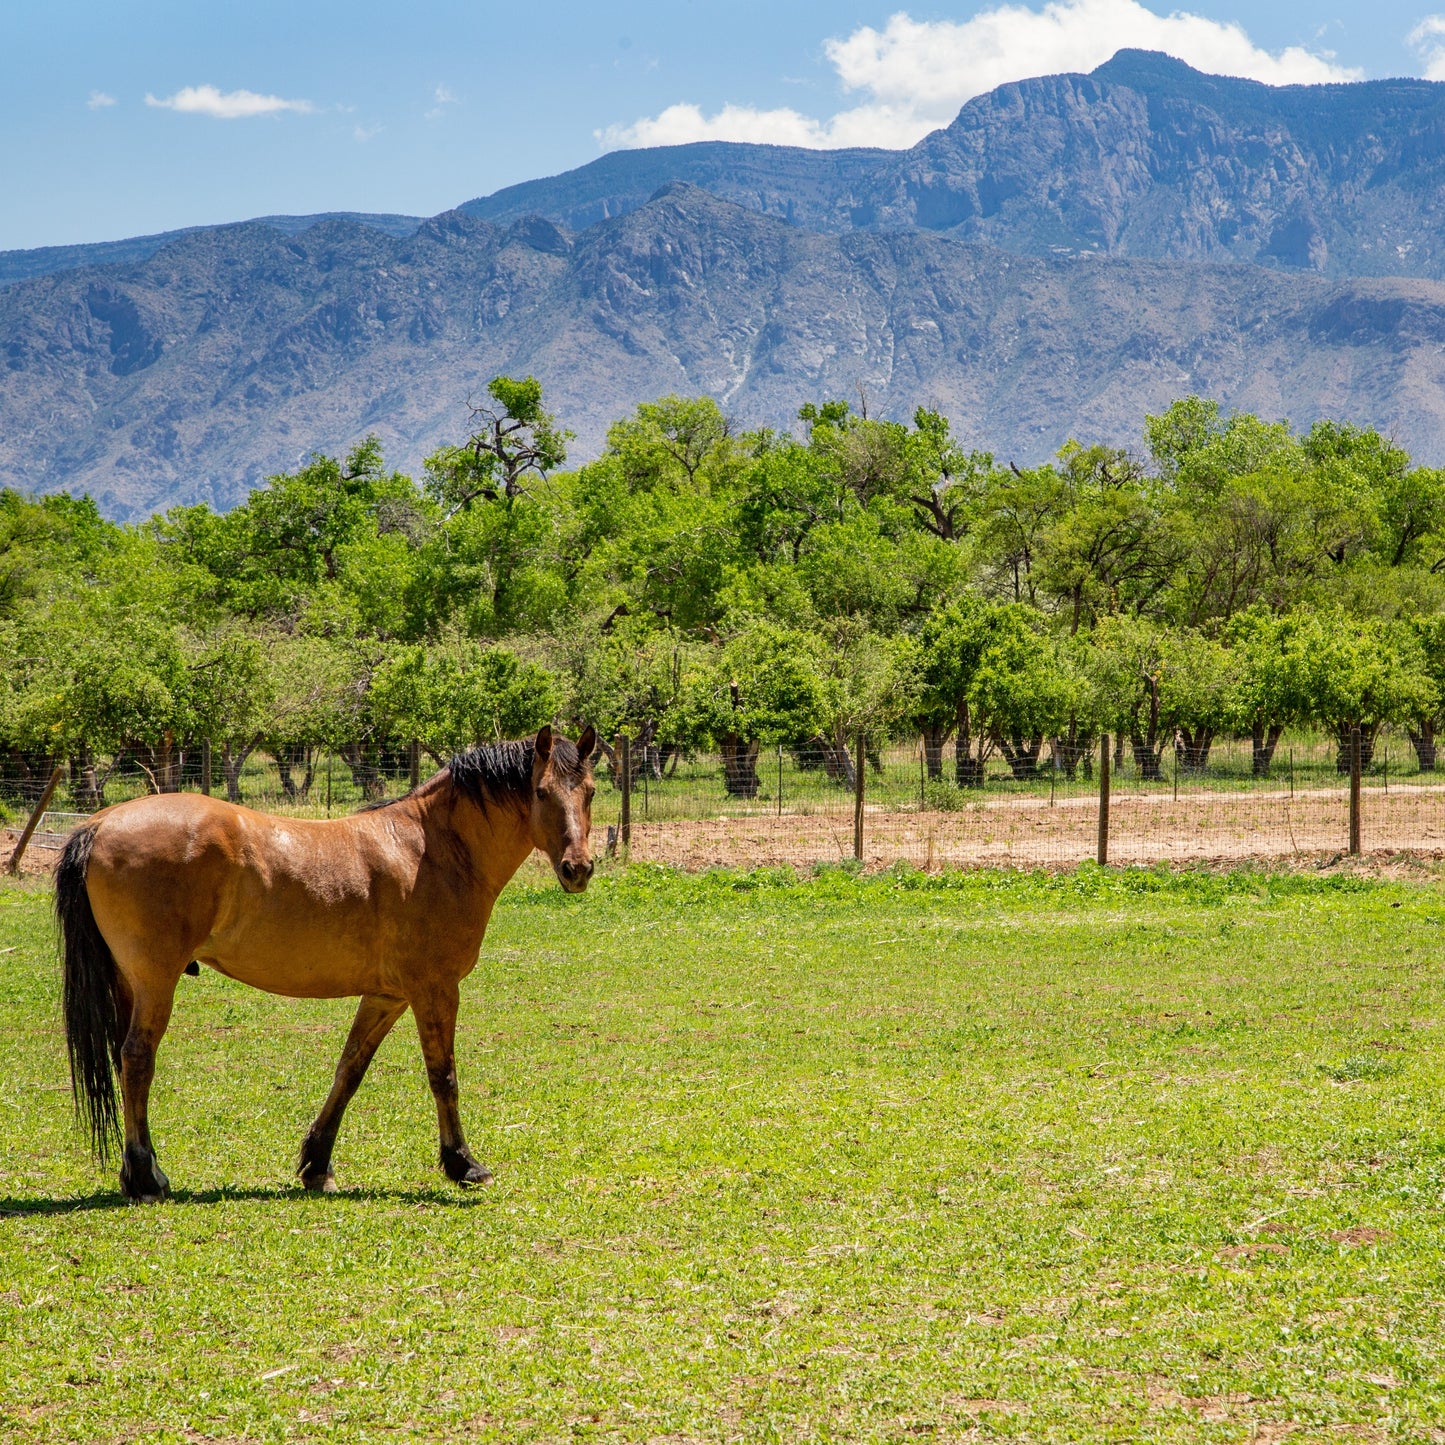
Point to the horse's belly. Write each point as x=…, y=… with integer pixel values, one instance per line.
x=301, y=956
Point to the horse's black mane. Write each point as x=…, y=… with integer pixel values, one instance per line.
x=497, y=772
x=502, y=772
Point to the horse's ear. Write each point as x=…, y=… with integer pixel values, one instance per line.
x=587, y=744
x=544, y=743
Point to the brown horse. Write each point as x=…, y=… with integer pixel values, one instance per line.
x=390, y=903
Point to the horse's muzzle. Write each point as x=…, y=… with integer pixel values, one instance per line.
x=574, y=877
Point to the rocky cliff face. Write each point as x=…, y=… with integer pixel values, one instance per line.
x=1145, y=157
x=234, y=352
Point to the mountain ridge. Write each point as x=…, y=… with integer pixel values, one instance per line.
x=154, y=384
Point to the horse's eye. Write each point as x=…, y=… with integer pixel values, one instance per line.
x=543, y=793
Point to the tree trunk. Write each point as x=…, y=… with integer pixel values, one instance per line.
x=935, y=738
x=740, y=766
x=1022, y=756
x=967, y=769
x=1423, y=742
x=1263, y=743
x=288, y=760
x=1148, y=753
x=85, y=784
x=1072, y=748
x=1191, y=747
x=1368, y=733
x=837, y=761
x=365, y=771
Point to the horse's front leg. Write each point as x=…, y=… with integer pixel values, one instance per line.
x=374, y=1020
x=141, y=1178
x=436, y=1023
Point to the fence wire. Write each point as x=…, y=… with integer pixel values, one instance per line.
x=801, y=807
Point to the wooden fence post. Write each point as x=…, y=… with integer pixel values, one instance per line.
x=625, y=832
x=40, y=807
x=414, y=761
x=859, y=772
x=1355, y=790
x=206, y=766
x=1103, y=852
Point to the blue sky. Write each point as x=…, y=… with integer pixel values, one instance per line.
x=121, y=118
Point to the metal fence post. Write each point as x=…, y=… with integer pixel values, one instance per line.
x=625, y=831
x=414, y=763
x=1103, y=852
x=1355, y=790
x=859, y=772
x=780, y=780
x=35, y=817
x=206, y=765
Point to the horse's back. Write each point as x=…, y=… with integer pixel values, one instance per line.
x=195, y=876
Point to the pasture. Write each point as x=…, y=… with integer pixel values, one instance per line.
x=1009, y=1156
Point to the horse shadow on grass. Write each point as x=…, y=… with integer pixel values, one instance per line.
x=20, y=1208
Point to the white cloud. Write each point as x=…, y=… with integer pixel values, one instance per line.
x=229, y=104
x=99, y=100
x=443, y=98
x=366, y=132
x=1428, y=38
x=915, y=74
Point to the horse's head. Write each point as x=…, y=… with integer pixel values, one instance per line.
x=562, y=791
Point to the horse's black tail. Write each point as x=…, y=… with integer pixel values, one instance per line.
x=92, y=1014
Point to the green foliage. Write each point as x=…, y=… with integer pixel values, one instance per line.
x=696, y=583
x=458, y=693
x=768, y=685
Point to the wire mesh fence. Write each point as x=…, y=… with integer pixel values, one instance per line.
x=804, y=807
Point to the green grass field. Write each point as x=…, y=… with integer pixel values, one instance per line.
x=1101, y=1156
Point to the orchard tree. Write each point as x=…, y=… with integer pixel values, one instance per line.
x=1019, y=692
x=1127, y=660
x=765, y=685
x=1361, y=673
x=457, y=692
x=1424, y=727
x=952, y=643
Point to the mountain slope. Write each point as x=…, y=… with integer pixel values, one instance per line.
x=232, y=353
x=1143, y=157
x=47, y=260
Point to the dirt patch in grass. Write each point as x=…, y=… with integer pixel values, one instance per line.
x=1309, y=827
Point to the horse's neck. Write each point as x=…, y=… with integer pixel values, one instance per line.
x=497, y=839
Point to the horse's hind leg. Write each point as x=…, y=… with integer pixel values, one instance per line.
x=141, y=1178
x=374, y=1020
x=436, y=1023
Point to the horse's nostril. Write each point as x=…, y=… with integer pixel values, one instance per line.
x=569, y=871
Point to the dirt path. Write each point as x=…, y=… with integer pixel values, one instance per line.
x=1199, y=826
x=1143, y=829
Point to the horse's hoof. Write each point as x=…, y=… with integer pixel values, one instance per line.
x=320, y=1183
x=461, y=1168
x=154, y=1191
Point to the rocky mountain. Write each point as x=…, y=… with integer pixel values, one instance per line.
x=1143, y=157
x=233, y=352
x=46, y=260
